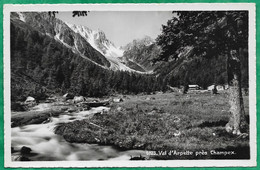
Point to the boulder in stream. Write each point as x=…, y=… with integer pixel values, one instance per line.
x=25, y=150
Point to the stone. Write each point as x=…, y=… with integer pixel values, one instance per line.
x=25, y=150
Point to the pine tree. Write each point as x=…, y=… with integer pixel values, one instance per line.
x=211, y=34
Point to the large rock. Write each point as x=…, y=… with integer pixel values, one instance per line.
x=78, y=99
x=68, y=96
x=118, y=100
x=25, y=150
x=29, y=99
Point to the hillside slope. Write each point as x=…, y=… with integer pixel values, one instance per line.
x=42, y=66
x=58, y=30
x=187, y=68
x=140, y=53
x=92, y=45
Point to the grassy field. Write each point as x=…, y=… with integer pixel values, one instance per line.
x=162, y=123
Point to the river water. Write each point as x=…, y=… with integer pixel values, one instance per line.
x=47, y=146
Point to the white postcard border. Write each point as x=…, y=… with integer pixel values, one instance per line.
x=132, y=7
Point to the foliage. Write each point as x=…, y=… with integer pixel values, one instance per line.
x=210, y=35
x=40, y=65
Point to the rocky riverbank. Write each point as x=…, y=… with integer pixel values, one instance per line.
x=42, y=113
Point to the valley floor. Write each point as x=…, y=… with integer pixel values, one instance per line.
x=165, y=125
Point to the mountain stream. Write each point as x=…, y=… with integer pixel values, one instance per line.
x=47, y=146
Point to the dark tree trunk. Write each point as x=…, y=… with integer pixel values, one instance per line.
x=237, y=122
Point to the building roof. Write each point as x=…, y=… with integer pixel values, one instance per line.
x=193, y=85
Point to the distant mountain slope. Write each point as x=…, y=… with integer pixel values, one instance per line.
x=139, y=54
x=192, y=69
x=98, y=40
x=41, y=65
x=92, y=45
x=186, y=68
x=58, y=30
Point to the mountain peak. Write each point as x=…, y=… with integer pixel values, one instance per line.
x=146, y=40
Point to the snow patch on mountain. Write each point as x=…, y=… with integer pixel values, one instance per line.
x=94, y=38
x=98, y=40
x=21, y=16
x=114, y=51
x=57, y=38
x=75, y=50
x=86, y=33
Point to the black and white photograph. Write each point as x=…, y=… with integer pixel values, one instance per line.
x=130, y=85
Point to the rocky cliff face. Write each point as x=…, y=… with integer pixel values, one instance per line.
x=141, y=52
x=98, y=40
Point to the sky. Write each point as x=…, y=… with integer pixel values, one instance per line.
x=122, y=27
